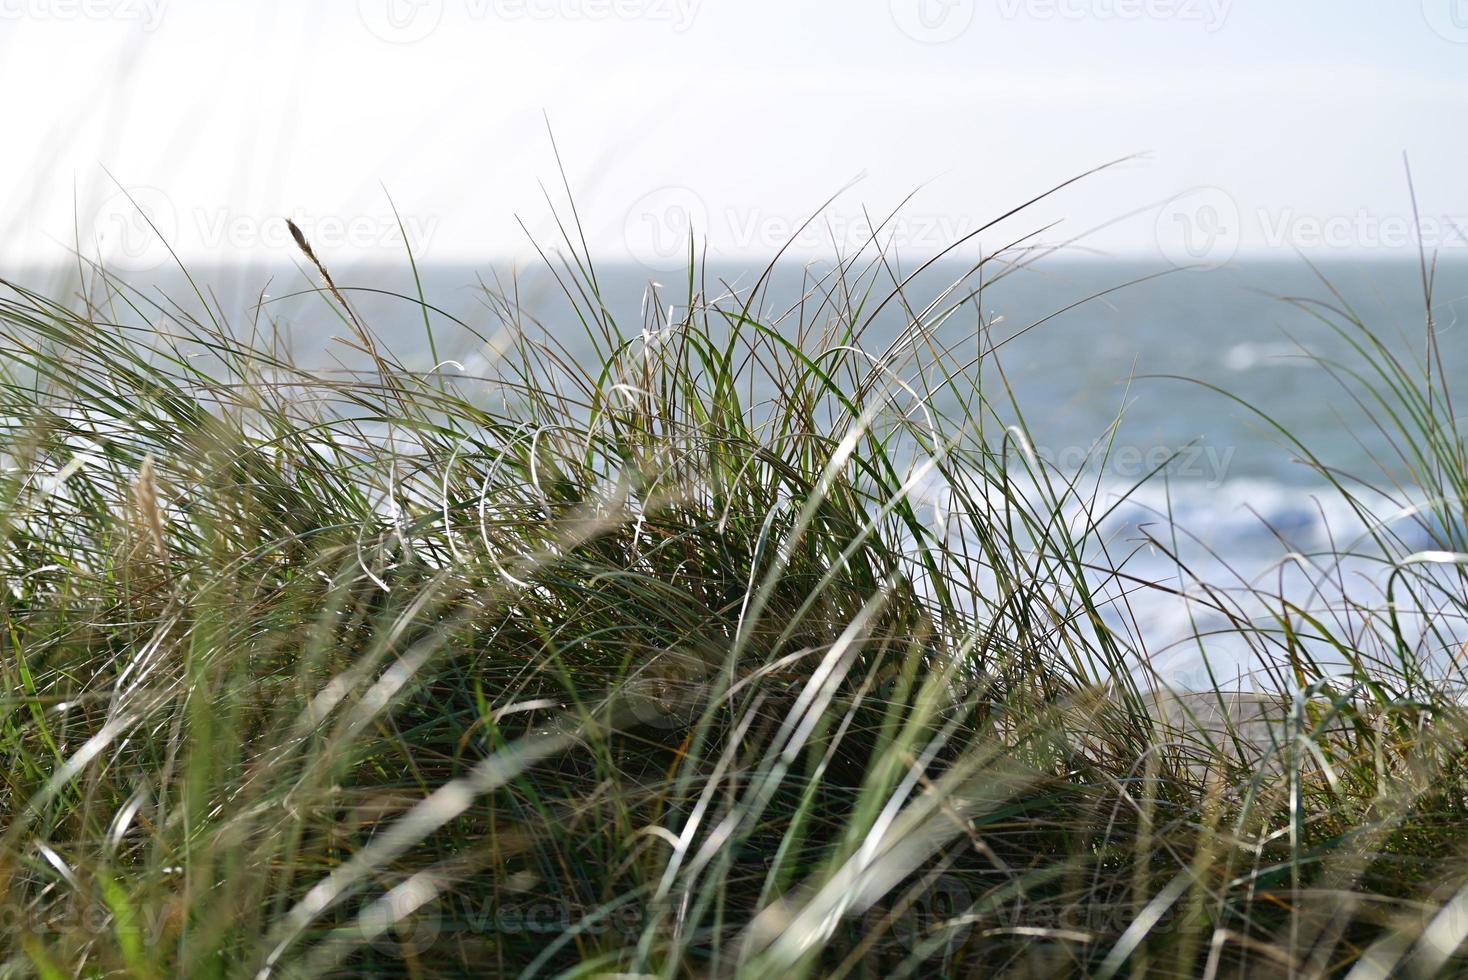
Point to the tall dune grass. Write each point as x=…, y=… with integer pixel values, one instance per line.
x=670, y=661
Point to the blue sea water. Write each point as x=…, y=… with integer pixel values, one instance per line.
x=1233, y=327
x=1183, y=358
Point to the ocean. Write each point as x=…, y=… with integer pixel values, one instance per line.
x=1182, y=362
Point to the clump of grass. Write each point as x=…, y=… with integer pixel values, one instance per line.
x=740, y=645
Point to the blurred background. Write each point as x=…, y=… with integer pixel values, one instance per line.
x=1251, y=128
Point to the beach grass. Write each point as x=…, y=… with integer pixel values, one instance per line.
x=742, y=645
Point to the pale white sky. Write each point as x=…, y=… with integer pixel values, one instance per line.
x=1281, y=125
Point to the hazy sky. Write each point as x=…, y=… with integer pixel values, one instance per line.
x=1263, y=125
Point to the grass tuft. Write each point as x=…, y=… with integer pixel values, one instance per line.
x=730, y=643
